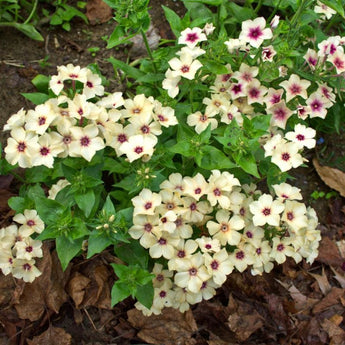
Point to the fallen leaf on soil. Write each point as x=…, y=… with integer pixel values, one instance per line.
x=311, y=333
x=52, y=336
x=277, y=311
x=169, y=328
x=245, y=320
x=332, y=298
x=76, y=287
x=98, y=12
x=7, y=286
x=340, y=278
x=98, y=292
x=329, y=253
x=322, y=280
x=302, y=302
x=333, y=178
x=336, y=334
x=45, y=291
x=341, y=247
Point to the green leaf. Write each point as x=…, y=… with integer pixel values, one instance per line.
x=38, y=174
x=77, y=229
x=132, y=253
x=174, y=20
x=128, y=183
x=36, y=97
x=49, y=210
x=211, y=158
x=145, y=294
x=41, y=83
x=184, y=147
x=216, y=67
x=108, y=206
x=19, y=204
x=115, y=166
x=97, y=242
x=67, y=249
x=71, y=12
x=129, y=70
x=29, y=30
x=85, y=201
x=248, y=164
x=119, y=292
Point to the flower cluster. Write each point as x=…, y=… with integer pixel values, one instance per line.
x=18, y=249
x=242, y=92
x=207, y=228
x=187, y=64
x=285, y=152
x=79, y=127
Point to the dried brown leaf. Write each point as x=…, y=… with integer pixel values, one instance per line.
x=340, y=278
x=169, y=328
x=333, y=178
x=98, y=12
x=329, y=253
x=52, y=336
x=245, y=325
x=336, y=334
x=98, y=292
x=76, y=288
x=322, y=281
x=331, y=299
x=341, y=247
x=7, y=286
x=46, y=291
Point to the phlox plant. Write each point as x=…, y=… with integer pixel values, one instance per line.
x=184, y=176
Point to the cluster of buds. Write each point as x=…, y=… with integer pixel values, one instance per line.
x=206, y=229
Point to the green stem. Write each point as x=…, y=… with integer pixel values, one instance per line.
x=148, y=49
x=32, y=12
x=274, y=12
x=258, y=6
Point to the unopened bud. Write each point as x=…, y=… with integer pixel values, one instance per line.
x=111, y=218
x=106, y=226
x=275, y=22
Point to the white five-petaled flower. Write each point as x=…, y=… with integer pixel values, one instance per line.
x=192, y=273
x=146, y=202
x=201, y=121
x=286, y=156
x=226, y=229
x=295, y=87
x=266, y=210
x=138, y=146
x=85, y=142
x=191, y=37
x=184, y=67
x=21, y=147
x=303, y=136
x=254, y=32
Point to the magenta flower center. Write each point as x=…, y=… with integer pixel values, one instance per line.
x=266, y=211
x=89, y=84
x=285, y=156
x=148, y=205
x=197, y=191
x=44, y=151
x=27, y=267
x=192, y=37
x=41, y=120
x=193, y=271
x=280, y=247
x=21, y=146
x=85, y=141
x=214, y=265
x=240, y=255
x=29, y=249
x=148, y=227
x=255, y=33
x=181, y=254
x=185, y=69
x=122, y=138
x=138, y=149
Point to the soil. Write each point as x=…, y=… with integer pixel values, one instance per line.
x=21, y=59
